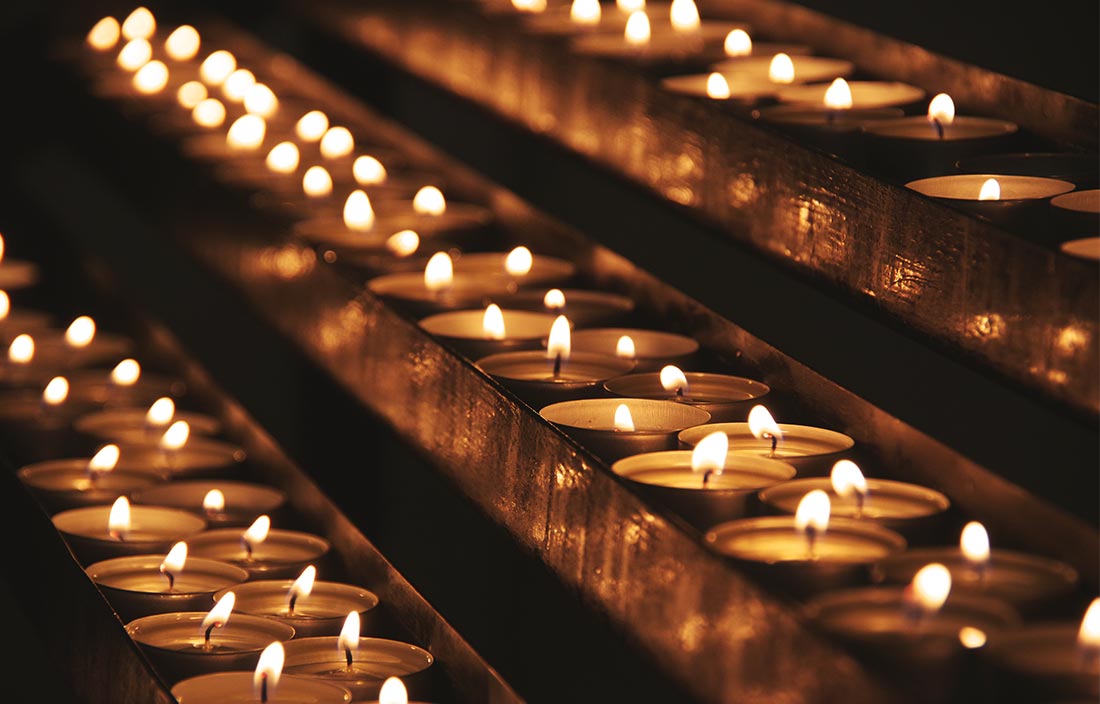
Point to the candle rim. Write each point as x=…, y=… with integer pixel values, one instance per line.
x=771, y=472
x=1056, y=186
x=893, y=541
x=629, y=385
x=257, y=588
x=898, y=128
x=100, y=569
x=740, y=430
x=554, y=408
x=242, y=681
x=877, y=487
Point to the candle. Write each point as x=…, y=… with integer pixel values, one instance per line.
x=1077, y=213
x=616, y=428
x=1018, y=201
x=583, y=307
x=476, y=333
x=705, y=486
x=125, y=384
x=36, y=423
x=797, y=69
x=806, y=553
x=142, y=585
x=726, y=398
x=864, y=95
x=676, y=37
x=137, y=425
x=518, y=265
x=175, y=454
x=438, y=288
x=16, y=273
x=739, y=45
x=263, y=551
x=97, y=533
x=68, y=483
x=81, y=344
x=650, y=349
x=222, y=503
x=1087, y=248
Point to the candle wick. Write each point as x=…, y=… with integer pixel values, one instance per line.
x=680, y=393
x=860, y=498
x=263, y=687
x=774, y=440
x=293, y=601
x=117, y=535
x=247, y=549
x=347, y=655
x=939, y=127
x=706, y=477
x=557, y=365
x=811, y=541
x=171, y=578
x=206, y=642
x=830, y=116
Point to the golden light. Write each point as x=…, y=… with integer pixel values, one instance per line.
x=118, y=520
x=283, y=158
x=368, y=171
x=554, y=299
x=534, y=6
x=439, y=273
x=559, y=342
x=349, y=635
x=21, y=350
x=519, y=261
x=991, y=190
x=176, y=436
x=173, y=562
x=237, y=83
x=246, y=133
x=104, y=34
x=268, y=671
x=848, y=480
x=126, y=373
x=637, y=29
x=628, y=6
x=585, y=12
x=625, y=347
x=316, y=182
x=623, y=420
x=302, y=586
x=762, y=425
x=214, y=501
x=183, y=43
x=257, y=532
x=5, y=305
x=1, y=248
x=209, y=113
x=219, y=615
x=358, y=213
x=930, y=587
x=1089, y=634
x=781, y=69
x=260, y=100
x=673, y=379
x=311, y=126
x=972, y=638
x=135, y=54
x=718, y=88
x=393, y=692
x=216, y=68
x=974, y=543
x=191, y=94
x=684, y=16
x=813, y=512
x=104, y=460
x=838, y=96
x=429, y=200
x=941, y=109
x=161, y=412
x=492, y=323
x=139, y=24
x=709, y=456
x=404, y=243
x=337, y=142
x=151, y=78
x=738, y=43
x=80, y=332
x=56, y=391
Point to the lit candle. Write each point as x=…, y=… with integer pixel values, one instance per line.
x=1017, y=201
x=650, y=349
x=438, y=288
x=80, y=344
x=104, y=35
x=872, y=96
x=183, y=43
x=138, y=425
x=749, y=79
x=97, y=533
x=263, y=551
x=726, y=398
x=125, y=384
x=583, y=307
x=68, y=483
x=677, y=36
x=519, y=266
x=476, y=333
x=233, y=503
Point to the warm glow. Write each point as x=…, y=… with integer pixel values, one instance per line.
x=710, y=454
x=209, y=113
x=637, y=29
x=358, y=213
x=311, y=126
x=161, y=412
x=176, y=436
x=118, y=521
x=349, y=634
x=104, y=460
x=216, y=68
x=529, y=5
x=673, y=379
x=585, y=12
x=625, y=347
x=56, y=391
x=930, y=587
x=493, y=322
x=139, y=24
x=135, y=54
x=303, y=585
x=684, y=16
x=848, y=480
x=439, y=272
x=237, y=83
x=260, y=100
x=972, y=638
x=974, y=543
x=781, y=69
x=738, y=43
x=762, y=425
x=718, y=88
x=429, y=200
x=839, y=95
x=175, y=559
x=316, y=182
x=246, y=132
x=283, y=158
x=813, y=512
x=404, y=243
x=21, y=350
x=393, y=692
x=126, y=373
x=991, y=190
x=219, y=615
x=337, y=142
x=628, y=6
x=5, y=305
x=80, y=332
x=519, y=261
x=623, y=420
x=151, y=78
x=559, y=343
x=104, y=35
x=257, y=532
x=554, y=299
x=1089, y=634
x=368, y=171
x=941, y=109
x=191, y=94
x=268, y=671
x=214, y=501
x=183, y=43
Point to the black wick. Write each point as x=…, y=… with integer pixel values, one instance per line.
x=706, y=477
x=263, y=687
x=171, y=577
x=347, y=655
x=211, y=627
x=557, y=365
x=939, y=127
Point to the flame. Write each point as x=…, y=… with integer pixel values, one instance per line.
x=260, y=100
x=118, y=521
x=311, y=126
x=813, y=512
x=5, y=305
x=534, y=6
x=176, y=436
x=257, y=532
x=710, y=454
x=161, y=412
x=625, y=347
x=358, y=213
x=175, y=559
x=237, y=83
x=941, y=109
x=246, y=133
x=80, y=332
x=126, y=373
x=718, y=88
x=368, y=171
x=1089, y=634
x=585, y=12
x=554, y=299
x=684, y=16
x=991, y=190
x=151, y=78
x=848, y=480
x=673, y=379
x=283, y=158
x=439, y=272
x=623, y=420
x=135, y=54
x=762, y=425
x=404, y=243
x=393, y=692
x=316, y=182
x=139, y=24
x=104, y=34
x=303, y=585
x=337, y=142
x=493, y=323
x=972, y=638
x=21, y=350
x=1, y=248
x=519, y=261
x=349, y=634
x=191, y=94
x=209, y=113
x=429, y=200
x=974, y=543
x=930, y=586
x=56, y=391
x=105, y=459
x=781, y=69
x=219, y=615
x=214, y=501
x=738, y=43
x=839, y=95
x=216, y=68
x=183, y=43
x=268, y=670
x=628, y=6
x=559, y=343
x=637, y=29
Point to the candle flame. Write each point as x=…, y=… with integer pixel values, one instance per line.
x=257, y=532
x=781, y=69
x=176, y=436
x=80, y=332
x=625, y=347
x=216, y=68
x=393, y=692
x=126, y=373
x=519, y=261
x=637, y=29
x=246, y=133
x=439, y=272
x=991, y=190
x=710, y=454
x=847, y=479
x=183, y=43
x=493, y=322
x=974, y=543
x=268, y=670
x=738, y=43
x=941, y=109
x=1, y=248
x=585, y=12
x=56, y=391
x=349, y=634
x=337, y=142
x=118, y=520
x=104, y=34
x=151, y=78
x=237, y=83
x=283, y=158
x=104, y=460
x=219, y=615
x=316, y=182
x=554, y=299
x=429, y=200
x=623, y=420
x=368, y=171
x=762, y=425
x=311, y=126
x=260, y=100
x=358, y=213
x=404, y=243
x=813, y=512
x=718, y=88
x=303, y=585
x=684, y=16
x=628, y=6
x=161, y=412
x=1089, y=634
x=930, y=587
x=135, y=54
x=5, y=305
x=214, y=501
x=139, y=24
x=838, y=96
x=673, y=379
x=533, y=6
x=559, y=343
x=972, y=638
x=209, y=113
x=175, y=559
x=191, y=94
x=21, y=350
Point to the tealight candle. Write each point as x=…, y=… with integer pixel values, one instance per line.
x=803, y=69
x=177, y=455
x=477, y=333
x=519, y=265
x=705, y=486
x=1008, y=200
x=1084, y=248
x=221, y=502
x=137, y=425
x=750, y=79
x=739, y=45
x=263, y=551
x=38, y=421
x=583, y=307
x=650, y=349
x=97, y=533
x=81, y=344
x=68, y=483
x=125, y=384
x=616, y=428
x=864, y=95
x=438, y=288
x=266, y=683
x=16, y=273
x=726, y=398
x=649, y=39
x=19, y=368
x=1077, y=212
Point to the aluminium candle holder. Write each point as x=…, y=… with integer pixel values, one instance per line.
x=321, y=613
x=283, y=554
x=130, y=425
x=544, y=271
x=813, y=451
x=96, y=387
x=653, y=349
x=1024, y=203
x=911, y=147
x=153, y=530
x=1077, y=213
x=407, y=292
x=374, y=660
x=591, y=422
x=460, y=222
x=63, y=484
x=1086, y=248
x=244, y=501
x=237, y=688
x=726, y=398
x=199, y=458
x=530, y=375
x=463, y=331
x=583, y=307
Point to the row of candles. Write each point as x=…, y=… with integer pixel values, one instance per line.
x=621, y=391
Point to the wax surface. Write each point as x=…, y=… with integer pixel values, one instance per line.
x=535, y=366
x=129, y=424
x=797, y=441
x=969, y=186
x=865, y=94
x=774, y=545
x=236, y=688
x=469, y=324
x=687, y=479
x=919, y=128
x=886, y=499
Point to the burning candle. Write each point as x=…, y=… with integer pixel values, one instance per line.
x=138, y=425
x=221, y=502
x=476, y=333
x=97, y=533
x=125, y=384
x=69, y=483
x=583, y=307
x=176, y=454
x=519, y=266
x=260, y=549
x=104, y=35
x=1019, y=201
x=438, y=288
x=81, y=344
x=750, y=79
x=726, y=398
x=675, y=36
x=183, y=43
x=738, y=45
x=860, y=95
x=650, y=349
